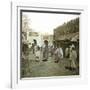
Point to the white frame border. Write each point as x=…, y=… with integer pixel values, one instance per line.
x=15, y=49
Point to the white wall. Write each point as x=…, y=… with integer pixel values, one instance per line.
x=5, y=44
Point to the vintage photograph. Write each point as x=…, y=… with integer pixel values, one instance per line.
x=49, y=43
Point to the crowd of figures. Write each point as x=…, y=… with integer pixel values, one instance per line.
x=55, y=51
x=47, y=51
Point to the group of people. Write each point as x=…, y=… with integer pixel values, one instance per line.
x=71, y=54
x=55, y=51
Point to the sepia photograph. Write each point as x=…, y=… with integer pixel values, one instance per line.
x=49, y=43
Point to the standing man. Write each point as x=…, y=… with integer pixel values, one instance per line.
x=58, y=54
x=73, y=57
x=35, y=46
x=53, y=48
x=45, y=51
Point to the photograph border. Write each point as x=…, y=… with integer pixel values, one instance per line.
x=49, y=12
x=16, y=39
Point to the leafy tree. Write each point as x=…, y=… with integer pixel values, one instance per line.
x=69, y=27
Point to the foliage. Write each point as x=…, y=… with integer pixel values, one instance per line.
x=69, y=27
